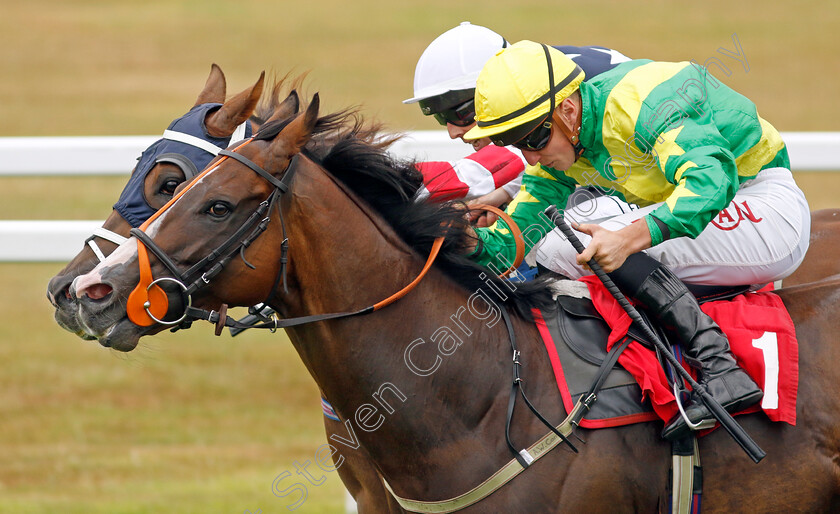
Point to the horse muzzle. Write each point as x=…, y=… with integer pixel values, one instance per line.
x=101, y=308
x=66, y=307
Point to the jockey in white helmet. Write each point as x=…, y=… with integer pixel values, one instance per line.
x=444, y=87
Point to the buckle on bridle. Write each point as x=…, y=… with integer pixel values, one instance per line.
x=276, y=320
x=147, y=304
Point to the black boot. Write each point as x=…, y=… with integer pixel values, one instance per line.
x=666, y=298
x=706, y=347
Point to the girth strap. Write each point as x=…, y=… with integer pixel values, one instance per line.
x=501, y=477
x=686, y=476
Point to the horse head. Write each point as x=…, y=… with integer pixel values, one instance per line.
x=188, y=145
x=228, y=199
x=234, y=236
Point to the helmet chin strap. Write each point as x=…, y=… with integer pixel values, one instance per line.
x=572, y=135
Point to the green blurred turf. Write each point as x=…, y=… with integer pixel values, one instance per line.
x=188, y=422
x=96, y=67
x=193, y=423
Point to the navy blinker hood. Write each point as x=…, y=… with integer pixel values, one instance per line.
x=132, y=204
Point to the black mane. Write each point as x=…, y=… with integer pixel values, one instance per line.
x=356, y=155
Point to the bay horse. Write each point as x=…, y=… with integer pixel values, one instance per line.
x=220, y=118
x=163, y=174
x=820, y=261
x=354, y=237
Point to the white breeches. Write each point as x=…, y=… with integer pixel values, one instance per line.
x=760, y=237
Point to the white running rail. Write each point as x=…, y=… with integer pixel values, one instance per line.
x=58, y=241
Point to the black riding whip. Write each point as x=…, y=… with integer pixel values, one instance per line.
x=726, y=420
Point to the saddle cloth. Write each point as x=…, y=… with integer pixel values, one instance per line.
x=761, y=336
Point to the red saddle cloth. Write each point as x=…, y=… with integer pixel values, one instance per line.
x=761, y=336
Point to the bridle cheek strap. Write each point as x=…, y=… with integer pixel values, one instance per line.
x=146, y=296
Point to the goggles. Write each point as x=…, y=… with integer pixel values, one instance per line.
x=455, y=107
x=529, y=136
x=535, y=135
x=460, y=115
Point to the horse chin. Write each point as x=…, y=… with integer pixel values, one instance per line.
x=122, y=336
x=68, y=321
x=66, y=311
x=110, y=326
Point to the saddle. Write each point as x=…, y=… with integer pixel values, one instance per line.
x=761, y=337
x=575, y=336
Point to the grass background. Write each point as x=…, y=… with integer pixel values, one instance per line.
x=193, y=423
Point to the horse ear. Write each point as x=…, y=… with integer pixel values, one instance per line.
x=214, y=89
x=235, y=111
x=296, y=134
x=287, y=108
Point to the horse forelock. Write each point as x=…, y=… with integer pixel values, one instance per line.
x=274, y=94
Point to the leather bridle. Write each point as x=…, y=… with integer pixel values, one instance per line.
x=142, y=311
x=185, y=164
x=201, y=273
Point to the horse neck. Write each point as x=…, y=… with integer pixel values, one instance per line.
x=343, y=257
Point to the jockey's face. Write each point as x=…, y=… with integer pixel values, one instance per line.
x=456, y=132
x=559, y=152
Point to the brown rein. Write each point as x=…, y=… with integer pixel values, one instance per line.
x=148, y=297
x=221, y=320
x=514, y=230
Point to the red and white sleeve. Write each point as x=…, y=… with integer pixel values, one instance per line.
x=480, y=173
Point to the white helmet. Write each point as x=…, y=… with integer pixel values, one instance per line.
x=453, y=60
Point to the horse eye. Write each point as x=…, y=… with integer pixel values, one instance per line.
x=169, y=186
x=219, y=210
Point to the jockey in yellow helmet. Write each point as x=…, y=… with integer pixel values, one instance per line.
x=719, y=204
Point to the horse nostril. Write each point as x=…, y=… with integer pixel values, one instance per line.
x=98, y=291
x=63, y=298
x=58, y=289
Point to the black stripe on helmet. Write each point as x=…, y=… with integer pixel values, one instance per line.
x=551, y=92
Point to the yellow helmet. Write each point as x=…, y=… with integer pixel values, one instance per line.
x=513, y=87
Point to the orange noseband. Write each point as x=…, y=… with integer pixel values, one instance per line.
x=149, y=298
x=146, y=297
